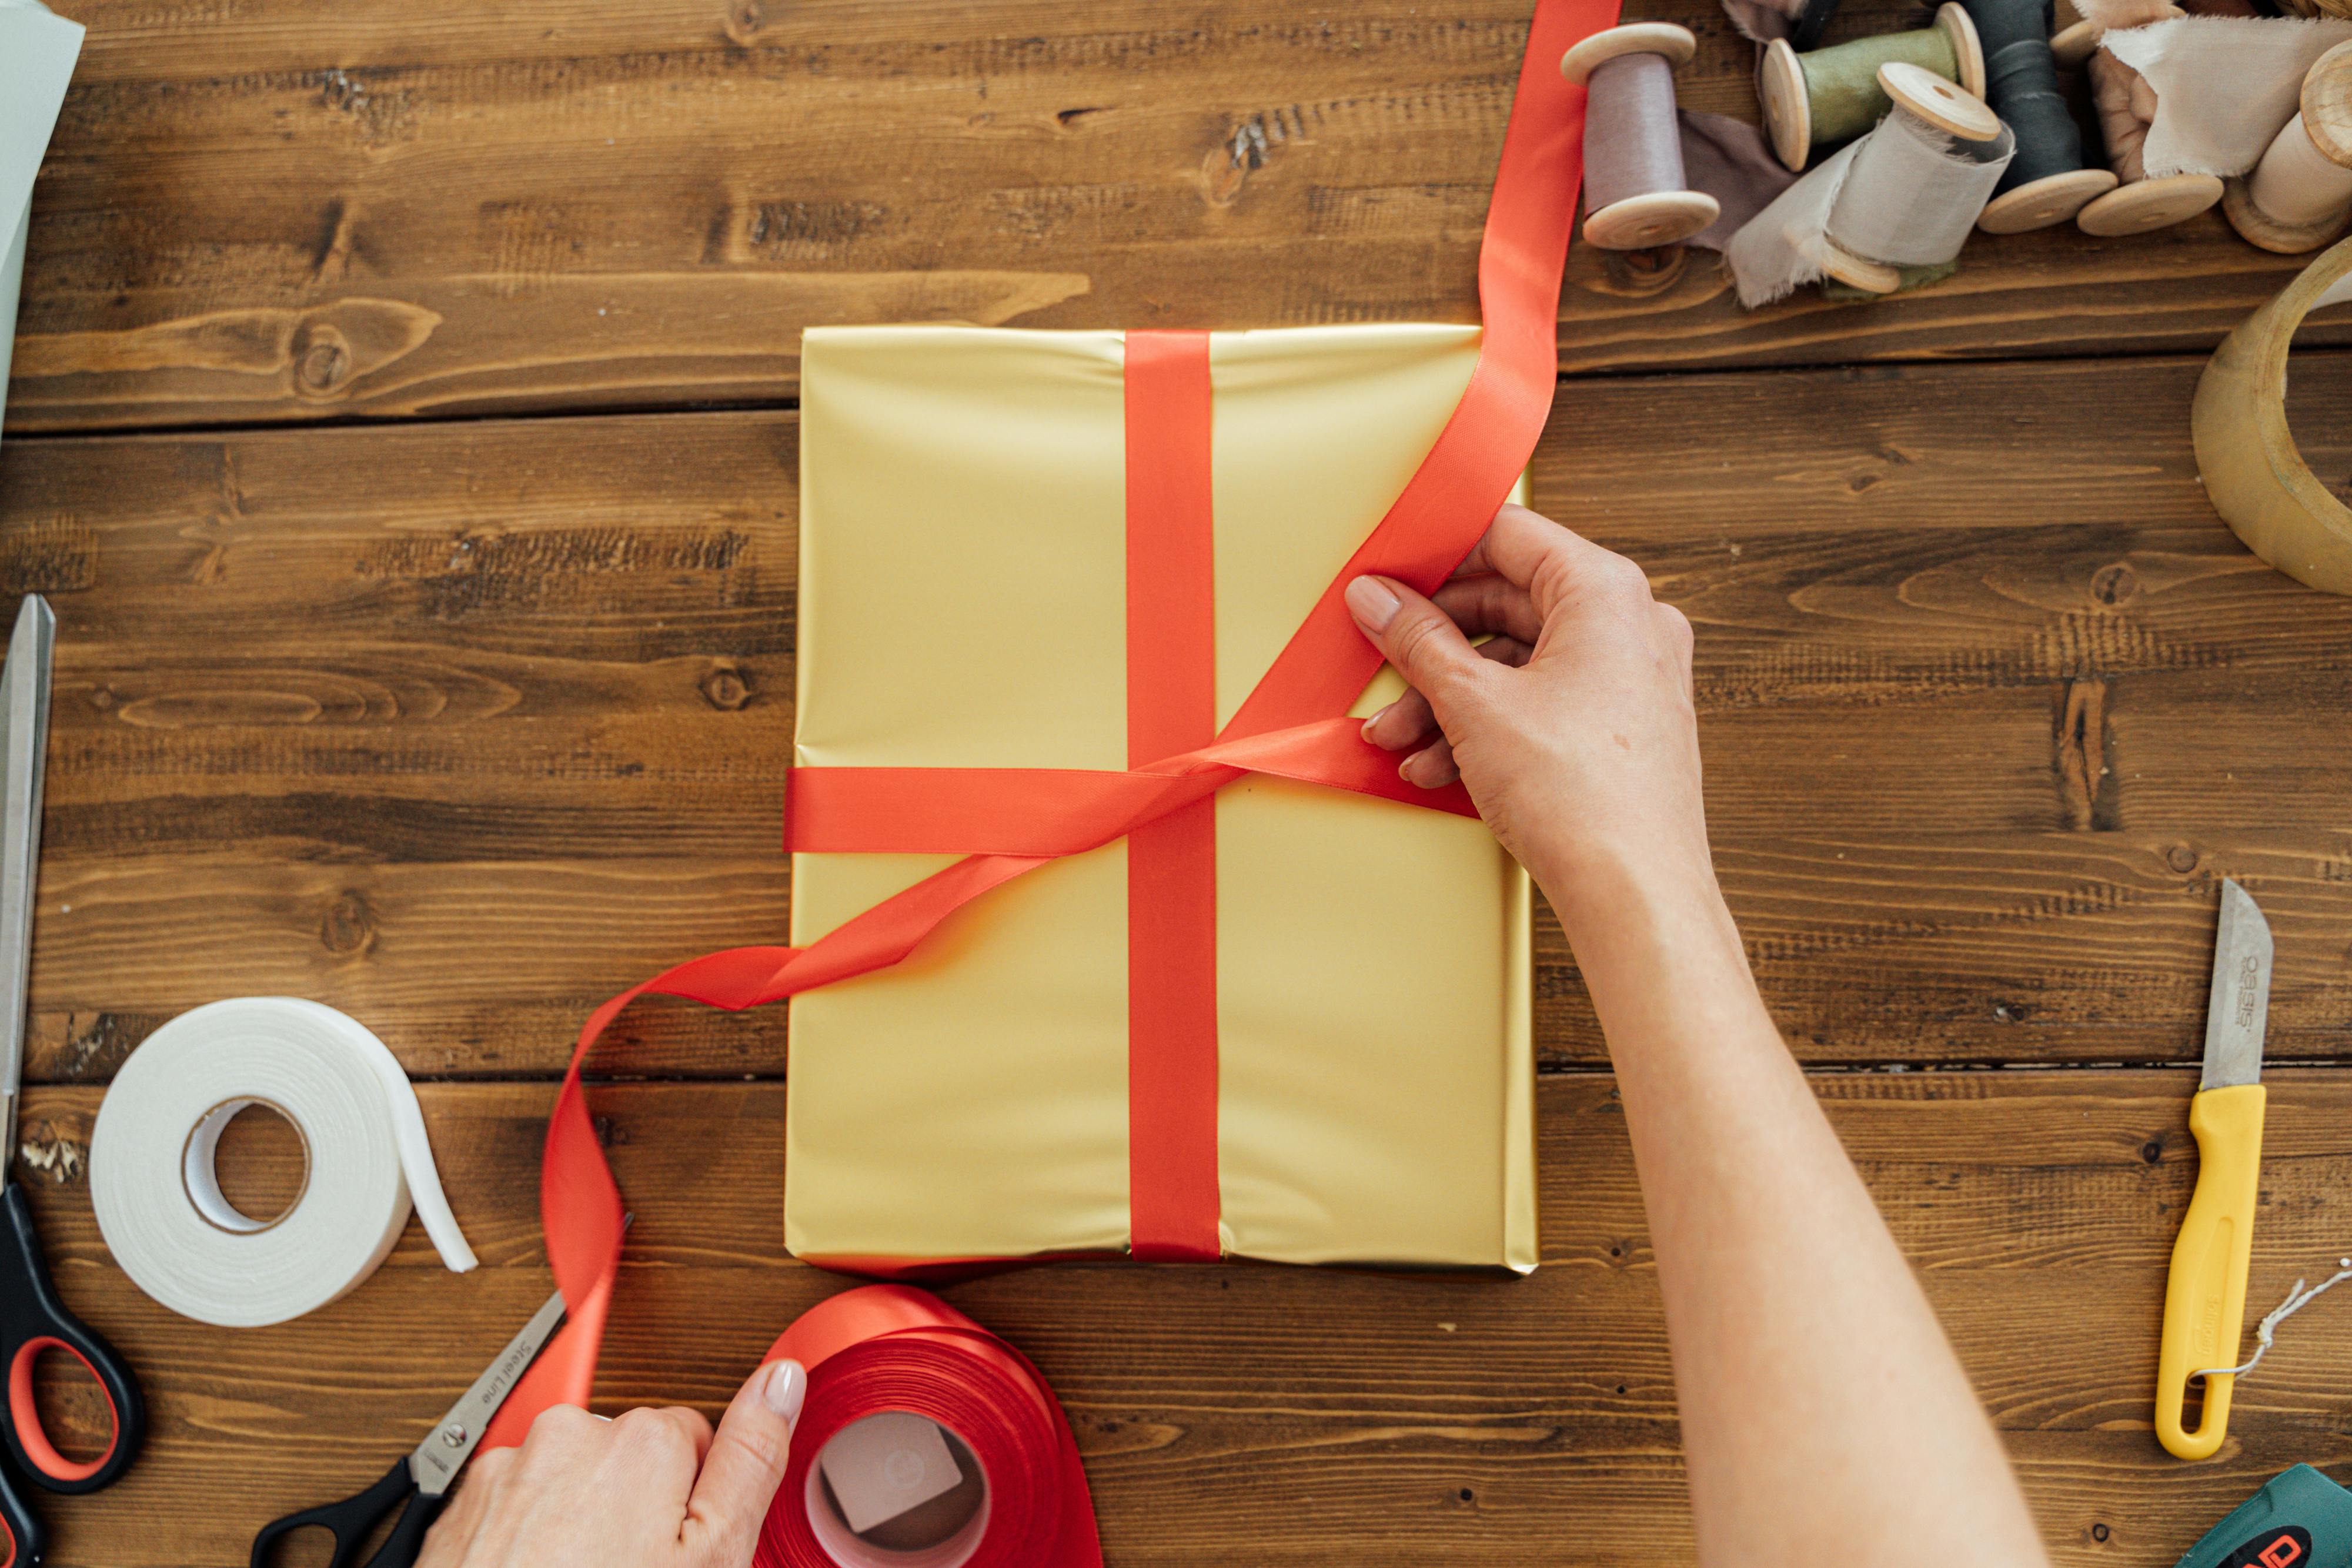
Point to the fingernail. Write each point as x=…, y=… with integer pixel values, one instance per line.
x=1367, y=731
x=786, y=1390
x=1371, y=602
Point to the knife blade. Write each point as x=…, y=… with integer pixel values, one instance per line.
x=2240, y=1003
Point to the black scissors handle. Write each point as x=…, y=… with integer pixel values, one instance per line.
x=33, y=1319
x=27, y=1543
x=350, y=1521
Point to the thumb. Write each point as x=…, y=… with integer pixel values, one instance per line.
x=1421, y=640
x=746, y=1464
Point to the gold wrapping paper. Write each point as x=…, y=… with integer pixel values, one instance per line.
x=962, y=604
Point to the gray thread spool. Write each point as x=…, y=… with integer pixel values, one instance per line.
x=1636, y=193
x=2048, y=182
x=1917, y=183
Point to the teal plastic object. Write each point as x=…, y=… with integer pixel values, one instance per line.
x=2301, y=1520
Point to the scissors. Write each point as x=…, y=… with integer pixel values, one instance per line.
x=418, y=1482
x=32, y=1318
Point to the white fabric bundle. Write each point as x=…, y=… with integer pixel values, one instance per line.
x=37, y=51
x=1904, y=195
x=2223, y=85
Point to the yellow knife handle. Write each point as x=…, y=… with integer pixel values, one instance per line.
x=2205, y=1299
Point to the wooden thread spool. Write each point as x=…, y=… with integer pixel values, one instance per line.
x=1833, y=95
x=1636, y=193
x=1920, y=103
x=2047, y=181
x=2246, y=454
x=2138, y=205
x=2300, y=195
x=2071, y=45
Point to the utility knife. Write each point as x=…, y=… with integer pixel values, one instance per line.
x=2205, y=1298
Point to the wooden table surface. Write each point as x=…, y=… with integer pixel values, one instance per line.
x=403, y=426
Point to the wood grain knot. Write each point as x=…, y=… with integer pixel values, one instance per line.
x=2112, y=585
x=726, y=688
x=743, y=21
x=322, y=361
x=1639, y=274
x=318, y=353
x=348, y=928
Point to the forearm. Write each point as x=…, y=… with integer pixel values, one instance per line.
x=1824, y=1416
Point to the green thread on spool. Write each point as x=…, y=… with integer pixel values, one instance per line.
x=1841, y=86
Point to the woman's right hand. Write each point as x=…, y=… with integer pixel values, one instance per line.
x=1573, y=728
x=654, y=1488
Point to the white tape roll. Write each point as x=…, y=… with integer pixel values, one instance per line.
x=159, y=1200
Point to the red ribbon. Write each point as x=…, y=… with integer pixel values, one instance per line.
x=887, y=1347
x=1171, y=860
x=1011, y=821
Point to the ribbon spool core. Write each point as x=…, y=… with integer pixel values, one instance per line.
x=942, y=1530
x=200, y=1167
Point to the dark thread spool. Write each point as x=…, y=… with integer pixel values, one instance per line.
x=2048, y=182
x=1636, y=191
x=1811, y=23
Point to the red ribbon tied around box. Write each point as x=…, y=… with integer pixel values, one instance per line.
x=888, y=1347
x=1009, y=821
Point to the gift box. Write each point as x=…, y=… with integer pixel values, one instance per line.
x=978, y=589
x=1101, y=943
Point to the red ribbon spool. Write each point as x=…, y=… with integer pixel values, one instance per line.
x=890, y=1347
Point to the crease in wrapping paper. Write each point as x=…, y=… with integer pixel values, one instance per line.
x=1474, y=463
x=37, y=51
x=934, y=445
x=2225, y=85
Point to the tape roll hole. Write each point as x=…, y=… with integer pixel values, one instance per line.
x=895, y=1490
x=247, y=1165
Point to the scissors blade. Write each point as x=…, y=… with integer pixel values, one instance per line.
x=436, y=1460
x=24, y=751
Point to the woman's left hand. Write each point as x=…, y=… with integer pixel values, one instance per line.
x=654, y=1488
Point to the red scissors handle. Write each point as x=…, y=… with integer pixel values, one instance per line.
x=33, y=1319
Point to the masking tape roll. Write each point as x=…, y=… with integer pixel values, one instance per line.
x=158, y=1199
x=892, y=1348
x=2246, y=455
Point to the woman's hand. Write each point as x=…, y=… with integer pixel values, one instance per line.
x=1572, y=728
x=654, y=1488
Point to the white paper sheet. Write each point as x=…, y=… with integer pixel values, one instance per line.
x=37, y=50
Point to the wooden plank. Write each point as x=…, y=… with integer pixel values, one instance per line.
x=291, y=212
x=1289, y=1415
x=464, y=727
